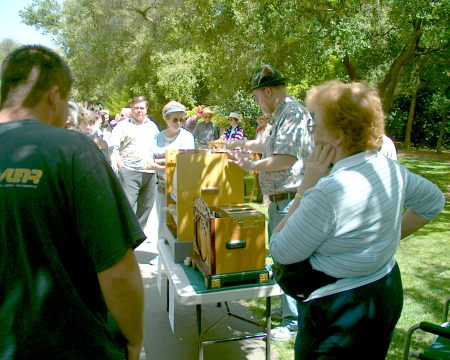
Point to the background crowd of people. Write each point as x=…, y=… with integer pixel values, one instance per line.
x=97, y=122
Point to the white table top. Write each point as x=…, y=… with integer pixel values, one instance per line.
x=185, y=293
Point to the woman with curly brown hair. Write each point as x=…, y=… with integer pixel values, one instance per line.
x=347, y=223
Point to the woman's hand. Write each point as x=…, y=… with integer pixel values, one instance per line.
x=317, y=165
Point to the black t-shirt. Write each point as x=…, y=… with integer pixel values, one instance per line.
x=63, y=219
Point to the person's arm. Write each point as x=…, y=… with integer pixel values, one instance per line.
x=123, y=291
x=423, y=201
x=256, y=145
x=317, y=166
x=117, y=160
x=411, y=222
x=198, y=133
x=305, y=230
x=272, y=163
x=155, y=165
x=294, y=206
x=216, y=132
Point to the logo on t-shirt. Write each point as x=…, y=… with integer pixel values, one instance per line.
x=20, y=177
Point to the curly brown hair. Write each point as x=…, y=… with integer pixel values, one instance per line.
x=353, y=109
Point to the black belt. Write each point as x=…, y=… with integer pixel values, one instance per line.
x=282, y=196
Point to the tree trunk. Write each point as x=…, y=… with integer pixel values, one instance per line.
x=441, y=134
x=389, y=83
x=350, y=69
x=412, y=108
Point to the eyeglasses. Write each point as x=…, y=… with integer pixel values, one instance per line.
x=139, y=108
x=177, y=120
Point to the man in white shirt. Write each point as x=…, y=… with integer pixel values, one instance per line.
x=133, y=140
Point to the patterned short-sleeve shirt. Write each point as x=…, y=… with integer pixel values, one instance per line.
x=134, y=142
x=290, y=135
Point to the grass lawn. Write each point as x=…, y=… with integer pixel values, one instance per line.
x=423, y=259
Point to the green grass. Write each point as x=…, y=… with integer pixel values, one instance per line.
x=424, y=262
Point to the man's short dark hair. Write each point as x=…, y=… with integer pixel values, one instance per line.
x=137, y=99
x=28, y=72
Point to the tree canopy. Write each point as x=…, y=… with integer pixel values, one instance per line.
x=203, y=51
x=6, y=46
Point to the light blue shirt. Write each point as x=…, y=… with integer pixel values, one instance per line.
x=349, y=224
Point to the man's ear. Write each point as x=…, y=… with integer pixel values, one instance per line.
x=52, y=98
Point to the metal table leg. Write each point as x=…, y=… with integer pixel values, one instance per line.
x=198, y=308
x=167, y=294
x=268, y=325
x=202, y=341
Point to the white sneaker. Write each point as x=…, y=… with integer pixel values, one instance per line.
x=282, y=333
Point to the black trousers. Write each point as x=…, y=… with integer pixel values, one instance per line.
x=355, y=324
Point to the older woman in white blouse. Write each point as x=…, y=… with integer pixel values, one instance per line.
x=174, y=137
x=348, y=223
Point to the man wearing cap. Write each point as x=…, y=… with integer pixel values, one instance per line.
x=281, y=167
x=133, y=140
x=206, y=131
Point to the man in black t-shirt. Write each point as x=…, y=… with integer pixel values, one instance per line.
x=66, y=228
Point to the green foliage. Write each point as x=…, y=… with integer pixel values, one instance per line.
x=440, y=103
x=203, y=52
x=118, y=99
x=395, y=120
x=195, y=111
x=241, y=102
x=178, y=75
x=44, y=15
x=6, y=46
x=431, y=109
